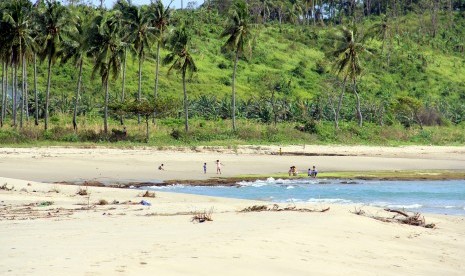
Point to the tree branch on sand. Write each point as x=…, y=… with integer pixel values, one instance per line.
x=276, y=208
x=4, y=187
x=400, y=217
x=148, y=194
x=202, y=217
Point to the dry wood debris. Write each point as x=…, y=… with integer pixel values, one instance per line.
x=276, y=208
x=401, y=217
x=203, y=216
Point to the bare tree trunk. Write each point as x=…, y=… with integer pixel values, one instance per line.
x=147, y=117
x=359, y=112
x=26, y=91
x=313, y=12
x=76, y=98
x=4, y=100
x=339, y=104
x=36, y=96
x=157, y=71
x=123, y=85
x=105, y=112
x=23, y=88
x=47, y=93
x=234, y=91
x=139, y=89
x=15, y=91
x=3, y=92
x=186, y=104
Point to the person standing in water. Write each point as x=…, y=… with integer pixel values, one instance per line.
x=218, y=167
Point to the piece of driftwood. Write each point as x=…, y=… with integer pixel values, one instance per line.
x=276, y=208
x=148, y=194
x=203, y=216
x=416, y=219
x=397, y=211
x=4, y=187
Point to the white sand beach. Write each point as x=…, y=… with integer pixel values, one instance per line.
x=72, y=235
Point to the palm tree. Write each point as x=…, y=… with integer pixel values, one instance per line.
x=181, y=61
x=382, y=30
x=347, y=63
x=51, y=22
x=76, y=48
x=18, y=16
x=141, y=37
x=239, y=36
x=107, y=49
x=5, y=56
x=125, y=17
x=160, y=17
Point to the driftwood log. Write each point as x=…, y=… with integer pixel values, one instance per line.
x=276, y=208
x=416, y=219
x=202, y=217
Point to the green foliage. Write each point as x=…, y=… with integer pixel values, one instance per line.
x=413, y=80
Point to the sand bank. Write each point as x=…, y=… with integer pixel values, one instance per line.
x=140, y=164
x=73, y=236
x=46, y=229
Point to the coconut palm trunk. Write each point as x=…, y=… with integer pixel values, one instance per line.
x=23, y=91
x=26, y=91
x=339, y=104
x=139, y=88
x=47, y=93
x=234, y=91
x=105, y=117
x=186, y=104
x=359, y=112
x=76, y=98
x=147, y=131
x=36, y=96
x=15, y=92
x=3, y=93
x=157, y=72
x=123, y=86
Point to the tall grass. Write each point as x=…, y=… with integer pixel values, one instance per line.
x=169, y=132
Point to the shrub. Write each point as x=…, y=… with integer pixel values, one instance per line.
x=176, y=134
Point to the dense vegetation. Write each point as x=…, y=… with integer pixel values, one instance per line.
x=290, y=71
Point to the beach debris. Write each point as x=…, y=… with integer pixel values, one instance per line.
x=148, y=194
x=145, y=203
x=400, y=216
x=359, y=211
x=5, y=187
x=102, y=202
x=276, y=208
x=82, y=192
x=45, y=203
x=203, y=216
x=54, y=189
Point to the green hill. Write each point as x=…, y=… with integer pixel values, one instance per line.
x=411, y=77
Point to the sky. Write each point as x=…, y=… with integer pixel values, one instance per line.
x=176, y=3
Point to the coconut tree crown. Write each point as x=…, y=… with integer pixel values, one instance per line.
x=237, y=30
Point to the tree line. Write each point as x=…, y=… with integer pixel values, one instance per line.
x=53, y=33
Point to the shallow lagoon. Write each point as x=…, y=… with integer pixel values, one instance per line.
x=440, y=197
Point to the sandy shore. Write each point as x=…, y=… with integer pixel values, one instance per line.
x=47, y=229
x=126, y=165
